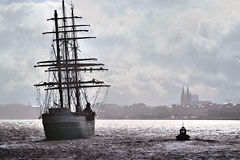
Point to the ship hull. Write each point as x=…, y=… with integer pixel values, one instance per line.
x=60, y=127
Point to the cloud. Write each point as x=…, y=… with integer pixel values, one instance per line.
x=152, y=48
x=7, y=2
x=21, y=46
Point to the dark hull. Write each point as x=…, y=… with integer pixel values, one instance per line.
x=60, y=127
x=183, y=137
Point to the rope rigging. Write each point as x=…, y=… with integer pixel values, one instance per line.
x=99, y=112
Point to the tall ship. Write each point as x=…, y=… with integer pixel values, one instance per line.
x=66, y=110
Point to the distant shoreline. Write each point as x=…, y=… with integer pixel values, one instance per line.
x=128, y=119
x=167, y=119
x=136, y=112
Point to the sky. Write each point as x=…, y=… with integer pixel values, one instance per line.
x=152, y=48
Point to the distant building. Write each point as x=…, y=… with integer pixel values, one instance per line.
x=201, y=102
x=186, y=99
x=189, y=99
x=195, y=98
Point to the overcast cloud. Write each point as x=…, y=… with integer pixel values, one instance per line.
x=152, y=48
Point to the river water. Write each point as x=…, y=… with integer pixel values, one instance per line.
x=124, y=139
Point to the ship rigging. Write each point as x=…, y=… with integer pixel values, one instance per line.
x=67, y=67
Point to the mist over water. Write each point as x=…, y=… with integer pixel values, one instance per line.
x=125, y=139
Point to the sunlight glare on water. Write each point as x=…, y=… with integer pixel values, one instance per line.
x=125, y=139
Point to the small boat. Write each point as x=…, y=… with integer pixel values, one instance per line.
x=183, y=135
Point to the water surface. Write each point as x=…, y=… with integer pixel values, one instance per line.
x=125, y=139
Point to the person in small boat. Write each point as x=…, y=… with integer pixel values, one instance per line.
x=183, y=134
x=183, y=131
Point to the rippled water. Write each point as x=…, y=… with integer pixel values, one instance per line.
x=125, y=139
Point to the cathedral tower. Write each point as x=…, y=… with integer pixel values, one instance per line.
x=183, y=97
x=186, y=99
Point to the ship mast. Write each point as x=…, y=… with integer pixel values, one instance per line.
x=58, y=61
x=66, y=54
x=78, y=107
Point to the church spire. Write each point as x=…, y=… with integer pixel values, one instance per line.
x=188, y=97
x=183, y=97
x=188, y=90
